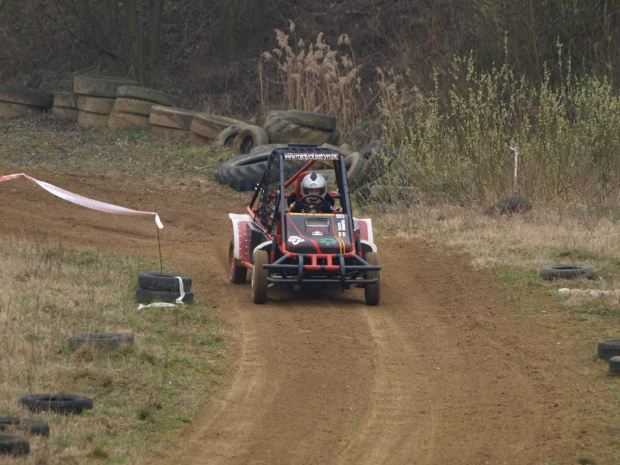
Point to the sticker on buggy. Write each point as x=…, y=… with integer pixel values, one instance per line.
x=311, y=156
x=296, y=240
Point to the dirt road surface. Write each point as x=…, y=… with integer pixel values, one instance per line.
x=444, y=371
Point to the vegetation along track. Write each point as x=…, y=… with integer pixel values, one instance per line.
x=443, y=371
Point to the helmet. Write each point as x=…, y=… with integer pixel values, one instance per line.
x=314, y=183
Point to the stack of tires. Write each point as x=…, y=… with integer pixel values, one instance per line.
x=132, y=107
x=17, y=101
x=96, y=97
x=171, y=122
x=163, y=287
x=65, y=105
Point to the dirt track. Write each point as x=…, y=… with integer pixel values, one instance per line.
x=444, y=371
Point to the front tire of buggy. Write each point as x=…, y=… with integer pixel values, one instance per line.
x=373, y=291
x=259, y=277
x=236, y=273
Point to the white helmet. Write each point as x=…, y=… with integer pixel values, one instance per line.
x=314, y=183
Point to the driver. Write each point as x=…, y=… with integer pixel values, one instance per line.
x=314, y=196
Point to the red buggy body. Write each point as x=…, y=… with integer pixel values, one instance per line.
x=325, y=250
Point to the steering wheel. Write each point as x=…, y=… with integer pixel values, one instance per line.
x=311, y=196
x=311, y=207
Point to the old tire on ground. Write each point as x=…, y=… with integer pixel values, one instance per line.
x=237, y=273
x=10, y=110
x=248, y=137
x=614, y=365
x=259, y=277
x=146, y=296
x=105, y=340
x=243, y=172
x=312, y=119
x=100, y=86
x=59, y=403
x=133, y=105
x=31, y=425
x=13, y=445
x=356, y=170
x=372, y=292
x=227, y=136
x=145, y=94
x=26, y=96
x=91, y=104
x=281, y=130
x=123, y=120
x=157, y=281
x=175, y=118
x=608, y=348
x=210, y=126
x=567, y=271
x=65, y=99
x=89, y=120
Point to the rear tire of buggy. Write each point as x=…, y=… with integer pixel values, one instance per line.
x=259, y=277
x=373, y=291
x=236, y=273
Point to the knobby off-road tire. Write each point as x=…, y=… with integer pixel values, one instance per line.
x=60, y=403
x=169, y=282
x=237, y=273
x=608, y=349
x=30, y=425
x=248, y=137
x=156, y=97
x=147, y=296
x=13, y=445
x=259, y=277
x=567, y=271
x=100, y=86
x=101, y=340
x=281, y=130
x=372, y=292
x=356, y=170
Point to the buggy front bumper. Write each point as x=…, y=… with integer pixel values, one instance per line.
x=332, y=270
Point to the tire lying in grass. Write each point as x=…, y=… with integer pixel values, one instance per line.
x=156, y=281
x=228, y=135
x=281, y=129
x=608, y=348
x=13, y=445
x=567, y=271
x=59, y=403
x=250, y=136
x=147, y=296
x=31, y=425
x=106, y=340
x=614, y=365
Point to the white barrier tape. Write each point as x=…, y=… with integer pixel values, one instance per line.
x=179, y=300
x=84, y=201
x=181, y=292
x=156, y=304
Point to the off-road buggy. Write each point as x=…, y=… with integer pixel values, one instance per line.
x=324, y=250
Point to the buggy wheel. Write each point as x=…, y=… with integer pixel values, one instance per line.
x=259, y=277
x=373, y=291
x=236, y=273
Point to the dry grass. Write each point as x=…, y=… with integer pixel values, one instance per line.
x=517, y=246
x=313, y=77
x=143, y=394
